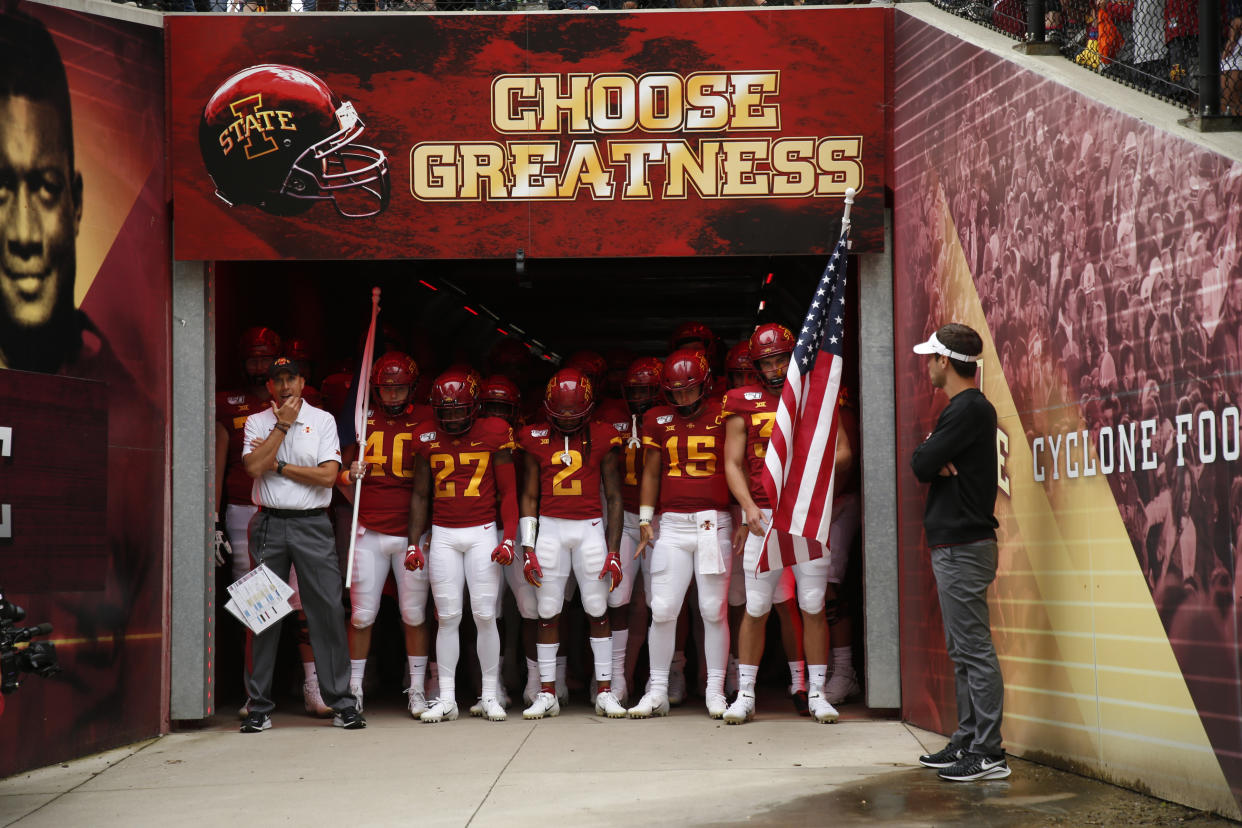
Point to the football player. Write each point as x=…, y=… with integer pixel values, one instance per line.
x=563, y=529
x=387, y=473
x=750, y=413
x=683, y=471
x=259, y=347
x=741, y=372
x=464, y=461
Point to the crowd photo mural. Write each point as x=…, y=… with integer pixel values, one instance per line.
x=84, y=331
x=1101, y=258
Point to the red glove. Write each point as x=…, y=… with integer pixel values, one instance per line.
x=503, y=554
x=414, y=559
x=534, y=575
x=612, y=566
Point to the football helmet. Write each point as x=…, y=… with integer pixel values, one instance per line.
x=259, y=346
x=278, y=138
x=686, y=369
x=569, y=400
x=298, y=348
x=591, y=364
x=692, y=332
x=770, y=340
x=397, y=371
x=455, y=399
x=499, y=397
x=739, y=367
x=642, y=384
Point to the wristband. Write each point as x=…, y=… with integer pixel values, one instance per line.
x=529, y=528
x=412, y=547
x=344, y=478
x=645, y=515
x=284, y=430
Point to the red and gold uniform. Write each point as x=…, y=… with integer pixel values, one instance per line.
x=757, y=405
x=569, y=491
x=692, y=457
x=463, y=484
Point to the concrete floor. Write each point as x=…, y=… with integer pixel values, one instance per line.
x=576, y=770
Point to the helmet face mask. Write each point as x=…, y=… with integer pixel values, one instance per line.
x=740, y=370
x=569, y=400
x=393, y=378
x=278, y=138
x=771, y=347
x=687, y=376
x=500, y=397
x=454, y=398
x=641, y=387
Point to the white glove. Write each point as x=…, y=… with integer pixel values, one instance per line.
x=221, y=545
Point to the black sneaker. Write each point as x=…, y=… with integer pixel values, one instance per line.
x=349, y=718
x=946, y=757
x=799, y=702
x=976, y=767
x=256, y=722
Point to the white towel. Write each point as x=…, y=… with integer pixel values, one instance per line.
x=710, y=561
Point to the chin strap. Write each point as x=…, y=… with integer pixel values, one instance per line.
x=634, y=441
x=566, y=458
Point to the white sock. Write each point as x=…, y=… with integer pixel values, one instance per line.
x=532, y=671
x=797, y=677
x=620, y=640
x=308, y=669
x=547, y=662
x=418, y=672
x=747, y=674
x=601, y=648
x=487, y=647
x=357, y=667
x=842, y=659
x=659, y=682
x=818, y=672
x=715, y=681
x=562, y=670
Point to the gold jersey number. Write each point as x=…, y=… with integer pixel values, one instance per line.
x=700, y=458
x=445, y=464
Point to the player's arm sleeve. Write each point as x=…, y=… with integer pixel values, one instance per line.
x=506, y=484
x=956, y=428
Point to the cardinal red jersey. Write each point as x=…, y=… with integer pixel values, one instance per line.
x=232, y=409
x=757, y=406
x=631, y=460
x=691, y=457
x=385, y=502
x=569, y=490
x=463, y=483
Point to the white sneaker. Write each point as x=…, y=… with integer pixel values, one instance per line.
x=313, y=700
x=545, y=704
x=476, y=709
x=417, y=702
x=841, y=685
x=607, y=704
x=676, y=687
x=742, y=710
x=648, y=706
x=441, y=711
x=819, y=707
x=355, y=690
x=717, y=704
x=492, y=710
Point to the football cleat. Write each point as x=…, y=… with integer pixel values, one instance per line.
x=314, y=701
x=443, y=710
x=841, y=685
x=742, y=710
x=798, y=697
x=545, y=704
x=607, y=704
x=417, y=702
x=492, y=710
x=649, y=706
x=355, y=690
x=821, y=710
x=476, y=709
x=717, y=704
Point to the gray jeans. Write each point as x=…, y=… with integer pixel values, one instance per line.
x=963, y=574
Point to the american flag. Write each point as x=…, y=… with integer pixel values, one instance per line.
x=799, y=470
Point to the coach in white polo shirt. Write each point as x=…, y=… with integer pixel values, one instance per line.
x=292, y=452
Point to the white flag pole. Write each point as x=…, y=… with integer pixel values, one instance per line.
x=360, y=427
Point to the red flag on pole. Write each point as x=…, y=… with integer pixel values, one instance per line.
x=798, y=474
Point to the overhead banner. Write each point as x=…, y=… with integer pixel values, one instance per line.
x=478, y=136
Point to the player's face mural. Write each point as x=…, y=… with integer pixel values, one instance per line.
x=40, y=211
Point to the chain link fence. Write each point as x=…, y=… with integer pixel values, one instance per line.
x=1151, y=45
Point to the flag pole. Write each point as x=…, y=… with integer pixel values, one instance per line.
x=849, y=203
x=360, y=427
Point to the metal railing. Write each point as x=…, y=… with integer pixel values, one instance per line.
x=1187, y=52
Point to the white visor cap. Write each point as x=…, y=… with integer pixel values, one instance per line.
x=935, y=346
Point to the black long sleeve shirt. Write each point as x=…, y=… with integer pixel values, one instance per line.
x=960, y=508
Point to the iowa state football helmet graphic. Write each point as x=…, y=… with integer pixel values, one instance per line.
x=278, y=138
